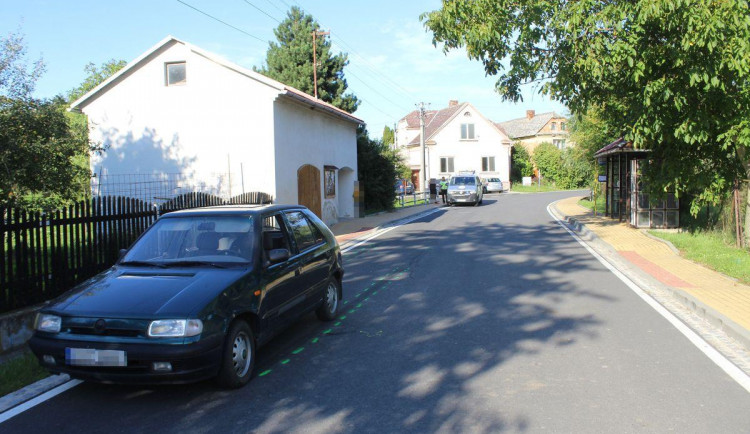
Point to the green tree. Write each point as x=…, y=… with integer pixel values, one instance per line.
x=290, y=61
x=670, y=75
x=42, y=164
x=17, y=78
x=96, y=75
x=521, y=164
x=547, y=158
x=389, y=136
x=376, y=167
x=39, y=164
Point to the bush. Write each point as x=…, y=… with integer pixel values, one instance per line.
x=547, y=158
x=521, y=164
x=376, y=164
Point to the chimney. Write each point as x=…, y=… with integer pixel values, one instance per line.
x=453, y=103
x=530, y=114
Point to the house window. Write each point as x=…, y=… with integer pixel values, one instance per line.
x=562, y=126
x=488, y=164
x=467, y=131
x=330, y=182
x=553, y=127
x=446, y=164
x=175, y=73
x=559, y=143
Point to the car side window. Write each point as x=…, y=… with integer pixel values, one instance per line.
x=304, y=232
x=274, y=235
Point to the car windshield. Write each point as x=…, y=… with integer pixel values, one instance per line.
x=463, y=180
x=193, y=241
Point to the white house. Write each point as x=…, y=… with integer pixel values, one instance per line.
x=178, y=109
x=457, y=138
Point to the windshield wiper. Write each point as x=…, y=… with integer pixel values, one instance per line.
x=144, y=263
x=192, y=264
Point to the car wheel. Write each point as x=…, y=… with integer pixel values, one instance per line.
x=330, y=307
x=239, y=356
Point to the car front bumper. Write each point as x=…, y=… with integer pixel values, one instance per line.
x=462, y=198
x=190, y=362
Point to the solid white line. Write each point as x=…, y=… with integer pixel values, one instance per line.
x=73, y=383
x=388, y=229
x=722, y=362
x=15, y=411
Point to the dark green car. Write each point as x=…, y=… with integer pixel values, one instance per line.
x=194, y=297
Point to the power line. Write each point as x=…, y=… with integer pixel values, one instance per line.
x=222, y=22
x=275, y=7
x=263, y=12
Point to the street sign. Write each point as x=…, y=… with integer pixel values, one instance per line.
x=602, y=178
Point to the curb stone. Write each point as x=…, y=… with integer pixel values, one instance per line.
x=31, y=391
x=709, y=314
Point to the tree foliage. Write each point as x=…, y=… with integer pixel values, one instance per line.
x=670, y=75
x=96, y=75
x=43, y=151
x=40, y=166
x=521, y=164
x=377, y=170
x=547, y=158
x=17, y=78
x=290, y=61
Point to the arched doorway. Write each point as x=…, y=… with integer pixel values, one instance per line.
x=308, y=188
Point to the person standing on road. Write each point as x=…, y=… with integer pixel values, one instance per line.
x=443, y=189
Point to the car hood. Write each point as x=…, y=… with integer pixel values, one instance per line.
x=138, y=292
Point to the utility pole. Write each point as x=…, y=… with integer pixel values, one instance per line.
x=315, y=34
x=422, y=173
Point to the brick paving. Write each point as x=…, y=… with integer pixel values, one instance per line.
x=721, y=293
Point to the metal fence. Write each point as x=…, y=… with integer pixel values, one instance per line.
x=43, y=255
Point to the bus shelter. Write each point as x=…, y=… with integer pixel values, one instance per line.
x=626, y=199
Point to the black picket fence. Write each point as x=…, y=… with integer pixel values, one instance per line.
x=44, y=255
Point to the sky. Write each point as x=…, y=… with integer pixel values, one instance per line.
x=393, y=64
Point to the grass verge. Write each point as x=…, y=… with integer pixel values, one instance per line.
x=600, y=204
x=709, y=248
x=18, y=372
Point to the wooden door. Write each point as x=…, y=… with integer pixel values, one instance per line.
x=308, y=188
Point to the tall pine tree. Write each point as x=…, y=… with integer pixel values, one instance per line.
x=290, y=61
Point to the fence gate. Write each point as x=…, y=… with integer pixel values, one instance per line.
x=308, y=188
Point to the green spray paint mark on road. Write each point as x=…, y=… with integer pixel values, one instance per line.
x=377, y=284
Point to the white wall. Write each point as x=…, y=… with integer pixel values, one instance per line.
x=311, y=136
x=217, y=118
x=467, y=154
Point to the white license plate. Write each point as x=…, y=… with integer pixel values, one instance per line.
x=91, y=357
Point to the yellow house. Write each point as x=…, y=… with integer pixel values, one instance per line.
x=534, y=129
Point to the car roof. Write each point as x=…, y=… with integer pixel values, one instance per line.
x=231, y=210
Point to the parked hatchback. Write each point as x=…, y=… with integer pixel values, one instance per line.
x=194, y=297
x=400, y=189
x=493, y=185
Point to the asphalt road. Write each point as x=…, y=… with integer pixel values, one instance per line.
x=468, y=320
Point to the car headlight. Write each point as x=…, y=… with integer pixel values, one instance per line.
x=175, y=328
x=48, y=323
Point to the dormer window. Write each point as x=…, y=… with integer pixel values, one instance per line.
x=467, y=131
x=175, y=73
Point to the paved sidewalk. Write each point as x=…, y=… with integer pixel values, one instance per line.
x=348, y=229
x=722, y=294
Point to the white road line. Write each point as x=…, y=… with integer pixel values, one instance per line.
x=38, y=400
x=388, y=229
x=73, y=383
x=722, y=362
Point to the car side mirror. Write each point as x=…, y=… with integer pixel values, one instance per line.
x=122, y=254
x=278, y=255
